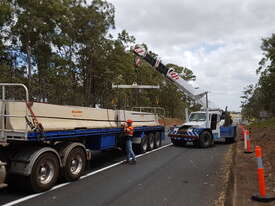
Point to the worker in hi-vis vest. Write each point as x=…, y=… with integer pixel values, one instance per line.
x=129, y=132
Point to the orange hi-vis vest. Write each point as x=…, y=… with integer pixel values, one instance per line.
x=130, y=131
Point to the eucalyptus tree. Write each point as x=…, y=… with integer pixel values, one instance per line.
x=261, y=97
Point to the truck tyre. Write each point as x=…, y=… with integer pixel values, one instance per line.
x=151, y=142
x=205, y=139
x=2, y=174
x=143, y=147
x=45, y=172
x=157, y=140
x=75, y=164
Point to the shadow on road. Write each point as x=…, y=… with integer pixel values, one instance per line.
x=192, y=146
x=99, y=160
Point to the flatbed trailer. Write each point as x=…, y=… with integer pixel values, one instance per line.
x=40, y=143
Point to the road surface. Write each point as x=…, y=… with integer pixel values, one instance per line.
x=169, y=176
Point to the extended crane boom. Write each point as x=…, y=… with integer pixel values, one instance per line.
x=169, y=73
x=201, y=127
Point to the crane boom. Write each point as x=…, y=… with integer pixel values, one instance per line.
x=169, y=73
x=201, y=127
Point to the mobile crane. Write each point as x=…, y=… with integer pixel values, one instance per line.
x=201, y=127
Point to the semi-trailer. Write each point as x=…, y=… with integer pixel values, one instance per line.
x=40, y=142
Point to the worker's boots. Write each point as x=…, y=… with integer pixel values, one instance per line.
x=132, y=162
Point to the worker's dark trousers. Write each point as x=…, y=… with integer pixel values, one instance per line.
x=129, y=150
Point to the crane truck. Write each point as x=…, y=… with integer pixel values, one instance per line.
x=40, y=142
x=201, y=127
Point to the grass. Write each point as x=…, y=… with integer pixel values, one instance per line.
x=262, y=124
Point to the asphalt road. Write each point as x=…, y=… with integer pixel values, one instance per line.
x=170, y=176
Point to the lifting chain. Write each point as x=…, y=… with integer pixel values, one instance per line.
x=34, y=125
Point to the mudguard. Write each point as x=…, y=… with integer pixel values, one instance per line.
x=22, y=161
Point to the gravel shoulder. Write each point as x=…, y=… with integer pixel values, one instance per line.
x=245, y=167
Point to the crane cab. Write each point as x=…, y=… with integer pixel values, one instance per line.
x=203, y=128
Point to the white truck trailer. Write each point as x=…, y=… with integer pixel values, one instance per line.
x=202, y=127
x=41, y=142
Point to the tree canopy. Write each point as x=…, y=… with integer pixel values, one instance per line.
x=64, y=52
x=260, y=98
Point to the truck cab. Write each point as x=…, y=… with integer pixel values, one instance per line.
x=203, y=128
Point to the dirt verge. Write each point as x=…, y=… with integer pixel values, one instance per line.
x=245, y=179
x=224, y=198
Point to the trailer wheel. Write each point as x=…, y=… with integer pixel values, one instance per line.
x=2, y=174
x=205, y=139
x=45, y=172
x=151, y=141
x=143, y=147
x=75, y=164
x=157, y=140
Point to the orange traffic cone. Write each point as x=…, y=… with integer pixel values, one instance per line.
x=244, y=140
x=248, y=143
x=242, y=131
x=262, y=197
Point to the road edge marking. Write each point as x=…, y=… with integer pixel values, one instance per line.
x=82, y=177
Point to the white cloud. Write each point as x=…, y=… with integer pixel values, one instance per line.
x=218, y=39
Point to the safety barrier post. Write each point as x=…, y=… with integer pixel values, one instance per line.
x=261, y=197
x=248, y=142
x=244, y=139
x=242, y=131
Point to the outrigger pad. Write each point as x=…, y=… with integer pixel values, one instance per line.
x=258, y=198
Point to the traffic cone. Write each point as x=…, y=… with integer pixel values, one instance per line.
x=261, y=197
x=244, y=139
x=242, y=131
x=248, y=142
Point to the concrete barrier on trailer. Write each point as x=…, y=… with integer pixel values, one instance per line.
x=139, y=118
x=57, y=117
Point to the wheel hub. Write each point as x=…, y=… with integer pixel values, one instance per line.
x=144, y=147
x=151, y=142
x=76, y=165
x=46, y=173
x=157, y=142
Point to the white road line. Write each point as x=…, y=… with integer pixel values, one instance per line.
x=154, y=150
x=84, y=176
